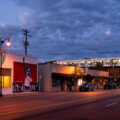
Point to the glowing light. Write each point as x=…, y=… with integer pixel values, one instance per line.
x=80, y=82
x=8, y=43
x=6, y=81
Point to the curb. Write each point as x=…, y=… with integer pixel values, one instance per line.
x=22, y=94
x=30, y=94
x=40, y=93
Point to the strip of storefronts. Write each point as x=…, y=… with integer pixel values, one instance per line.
x=54, y=77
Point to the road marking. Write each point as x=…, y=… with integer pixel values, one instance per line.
x=39, y=107
x=110, y=104
x=44, y=106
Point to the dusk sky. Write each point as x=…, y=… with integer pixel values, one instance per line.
x=62, y=29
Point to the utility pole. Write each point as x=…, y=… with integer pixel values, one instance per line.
x=26, y=43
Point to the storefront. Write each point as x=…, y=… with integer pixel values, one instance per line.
x=19, y=73
x=99, y=78
x=54, y=78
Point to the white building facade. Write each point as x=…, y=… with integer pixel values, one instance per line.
x=13, y=72
x=88, y=62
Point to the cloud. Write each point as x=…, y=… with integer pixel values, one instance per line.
x=108, y=32
x=2, y=24
x=23, y=17
x=62, y=27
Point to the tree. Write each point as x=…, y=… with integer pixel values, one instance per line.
x=98, y=66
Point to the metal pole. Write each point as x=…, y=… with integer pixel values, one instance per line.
x=26, y=43
x=38, y=84
x=24, y=66
x=1, y=69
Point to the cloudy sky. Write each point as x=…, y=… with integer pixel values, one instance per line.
x=62, y=29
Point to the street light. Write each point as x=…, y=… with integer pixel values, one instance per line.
x=1, y=52
x=8, y=42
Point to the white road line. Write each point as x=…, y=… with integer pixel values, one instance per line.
x=110, y=104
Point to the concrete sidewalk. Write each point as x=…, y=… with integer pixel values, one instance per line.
x=33, y=94
x=24, y=94
x=43, y=93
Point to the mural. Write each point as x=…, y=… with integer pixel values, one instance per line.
x=28, y=79
x=25, y=77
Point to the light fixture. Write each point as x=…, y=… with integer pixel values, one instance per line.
x=80, y=82
x=8, y=43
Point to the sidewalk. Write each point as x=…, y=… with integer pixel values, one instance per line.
x=45, y=93
x=32, y=94
x=24, y=94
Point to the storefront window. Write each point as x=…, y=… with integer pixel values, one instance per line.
x=107, y=61
x=90, y=62
x=56, y=83
x=119, y=61
x=114, y=61
x=6, y=81
x=99, y=61
x=82, y=63
x=80, y=82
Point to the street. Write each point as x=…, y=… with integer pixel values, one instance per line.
x=96, y=105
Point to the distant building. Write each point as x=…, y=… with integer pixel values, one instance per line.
x=88, y=62
x=112, y=65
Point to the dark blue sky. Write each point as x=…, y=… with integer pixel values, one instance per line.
x=62, y=29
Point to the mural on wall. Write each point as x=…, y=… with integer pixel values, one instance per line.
x=28, y=79
x=25, y=77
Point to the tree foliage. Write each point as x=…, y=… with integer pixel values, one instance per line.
x=98, y=66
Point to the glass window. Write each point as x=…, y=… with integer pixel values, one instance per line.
x=114, y=61
x=107, y=61
x=82, y=62
x=56, y=83
x=100, y=61
x=90, y=62
x=6, y=81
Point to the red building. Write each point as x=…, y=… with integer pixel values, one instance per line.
x=19, y=73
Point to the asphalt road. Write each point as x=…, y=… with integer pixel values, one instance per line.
x=96, y=105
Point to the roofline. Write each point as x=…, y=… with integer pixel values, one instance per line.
x=85, y=59
x=21, y=55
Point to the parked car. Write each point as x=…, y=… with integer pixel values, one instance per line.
x=86, y=87
x=110, y=85
x=114, y=85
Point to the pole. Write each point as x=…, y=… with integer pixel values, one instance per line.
x=0, y=68
x=24, y=66
x=75, y=74
x=1, y=73
x=40, y=76
x=26, y=43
